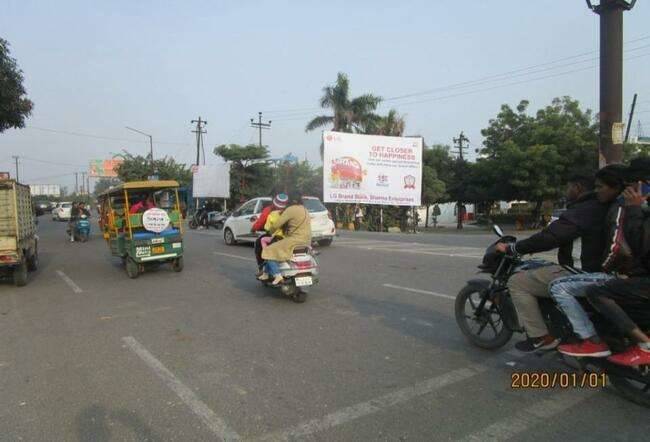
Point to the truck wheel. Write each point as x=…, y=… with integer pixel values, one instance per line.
x=132, y=268
x=32, y=261
x=20, y=273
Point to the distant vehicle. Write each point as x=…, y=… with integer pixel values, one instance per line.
x=43, y=206
x=62, y=211
x=237, y=227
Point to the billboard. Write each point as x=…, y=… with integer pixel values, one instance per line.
x=372, y=169
x=104, y=168
x=45, y=190
x=211, y=181
x=5, y=175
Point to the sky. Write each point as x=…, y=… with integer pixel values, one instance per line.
x=92, y=68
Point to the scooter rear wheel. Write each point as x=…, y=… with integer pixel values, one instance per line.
x=632, y=389
x=299, y=296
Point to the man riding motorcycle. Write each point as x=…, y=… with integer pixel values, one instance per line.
x=584, y=218
x=76, y=211
x=279, y=203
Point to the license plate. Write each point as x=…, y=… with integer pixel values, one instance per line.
x=302, y=281
x=158, y=249
x=157, y=240
x=142, y=251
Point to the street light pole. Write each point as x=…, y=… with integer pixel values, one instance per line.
x=611, y=78
x=150, y=145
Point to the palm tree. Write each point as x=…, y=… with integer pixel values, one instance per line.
x=391, y=125
x=350, y=115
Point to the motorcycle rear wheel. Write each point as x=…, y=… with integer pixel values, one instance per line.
x=490, y=319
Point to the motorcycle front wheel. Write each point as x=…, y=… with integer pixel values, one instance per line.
x=485, y=329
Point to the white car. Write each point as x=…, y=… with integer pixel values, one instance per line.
x=237, y=227
x=62, y=211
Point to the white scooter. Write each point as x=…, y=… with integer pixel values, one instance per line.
x=299, y=274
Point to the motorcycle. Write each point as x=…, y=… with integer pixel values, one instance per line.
x=212, y=219
x=487, y=317
x=300, y=274
x=82, y=229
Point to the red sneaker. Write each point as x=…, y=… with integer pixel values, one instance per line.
x=631, y=357
x=586, y=348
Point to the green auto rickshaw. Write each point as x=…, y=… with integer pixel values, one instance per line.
x=142, y=223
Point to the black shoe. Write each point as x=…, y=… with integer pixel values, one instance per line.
x=547, y=342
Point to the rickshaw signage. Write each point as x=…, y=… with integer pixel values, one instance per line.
x=155, y=220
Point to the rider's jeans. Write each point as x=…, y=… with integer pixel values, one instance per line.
x=565, y=290
x=272, y=268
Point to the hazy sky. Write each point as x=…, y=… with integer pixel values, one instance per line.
x=95, y=67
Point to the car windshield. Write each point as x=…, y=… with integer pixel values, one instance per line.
x=314, y=205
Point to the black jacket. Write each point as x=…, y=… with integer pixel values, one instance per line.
x=585, y=219
x=637, y=234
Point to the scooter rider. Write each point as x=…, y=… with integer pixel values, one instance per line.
x=76, y=211
x=584, y=218
x=279, y=203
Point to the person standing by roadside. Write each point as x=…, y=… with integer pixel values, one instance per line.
x=358, y=217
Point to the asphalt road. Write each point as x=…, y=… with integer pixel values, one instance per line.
x=207, y=354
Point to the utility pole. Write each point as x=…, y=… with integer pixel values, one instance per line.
x=76, y=183
x=83, y=183
x=611, y=78
x=153, y=171
x=259, y=125
x=458, y=142
x=15, y=157
x=199, y=138
x=629, y=120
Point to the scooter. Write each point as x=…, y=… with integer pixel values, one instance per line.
x=300, y=274
x=82, y=229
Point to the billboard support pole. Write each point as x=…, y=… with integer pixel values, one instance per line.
x=381, y=218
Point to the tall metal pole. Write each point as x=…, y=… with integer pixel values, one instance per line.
x=629, y=120
x=259, y=125
x=611, y=79
x=15, y=157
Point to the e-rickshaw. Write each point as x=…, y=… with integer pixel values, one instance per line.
x=142, y=224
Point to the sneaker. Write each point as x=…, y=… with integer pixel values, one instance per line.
x=586, y=348
x=278, y=280
x=264, y=277
x=631, y=357
x=547, y=342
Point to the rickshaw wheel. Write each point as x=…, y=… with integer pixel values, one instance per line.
x=177, y=264
x=132, y=268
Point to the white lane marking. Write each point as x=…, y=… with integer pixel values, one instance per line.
x=414, y=251
x=138, y=313
x=245, y=258
x=75, y=288
x=539, y=413
x=372, y=406
x=423, y=292
x=214, y=422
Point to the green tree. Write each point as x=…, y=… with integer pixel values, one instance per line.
x=139, y=168
x=250, y=173
x=103, y=184
x=632, y=150
x=299, y=176
x=348, y=114
x=392, y=124
x=433, y=188
x=15, y=107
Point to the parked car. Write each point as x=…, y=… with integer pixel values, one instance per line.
x=62, y=211
x=43, y=206
x=237, y=227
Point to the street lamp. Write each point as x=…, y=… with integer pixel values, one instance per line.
x=150, y=144
x=611, y=78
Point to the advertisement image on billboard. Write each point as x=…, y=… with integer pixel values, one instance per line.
x=104, y=168
x=372, y=169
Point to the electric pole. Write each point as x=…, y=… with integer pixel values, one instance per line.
x=199, y=138
x=629, y=120
x=15, y=157
x=259, y=125
x=460, y=166
x=611, y=78
x=76, y=183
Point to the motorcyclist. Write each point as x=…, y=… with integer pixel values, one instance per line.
x=296, y=223
x=584, y=218
x=632, y=292
x=77, y=210
x=565, y=290
x=280, y=202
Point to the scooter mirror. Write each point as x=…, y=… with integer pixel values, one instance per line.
x=497, y=230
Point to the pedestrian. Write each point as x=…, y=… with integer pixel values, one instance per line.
x=358, y=217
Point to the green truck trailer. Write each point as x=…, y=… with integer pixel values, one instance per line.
x=18, y=239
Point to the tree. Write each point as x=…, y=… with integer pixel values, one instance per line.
x=349, y=114
x=250, y=174
x=15, y=107
x=103, y=184
x=299, y=176
x=433, y=188
x=138, y=168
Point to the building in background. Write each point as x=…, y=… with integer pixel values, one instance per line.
x=53, y=190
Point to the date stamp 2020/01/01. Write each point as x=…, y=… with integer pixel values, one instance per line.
x=542, y=379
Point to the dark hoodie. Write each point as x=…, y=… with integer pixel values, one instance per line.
x=585, y=219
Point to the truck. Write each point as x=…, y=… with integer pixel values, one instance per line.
x=18, y=238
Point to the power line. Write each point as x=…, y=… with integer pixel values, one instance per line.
x=100, y=137
x=53, y=163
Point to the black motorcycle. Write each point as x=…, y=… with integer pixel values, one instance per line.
x=487, y=317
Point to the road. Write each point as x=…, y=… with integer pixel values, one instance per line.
x=374, y=354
